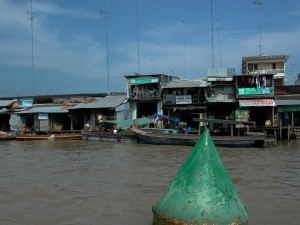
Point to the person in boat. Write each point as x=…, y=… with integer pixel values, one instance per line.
x=181, y=129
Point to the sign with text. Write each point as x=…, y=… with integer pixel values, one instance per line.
x=43, y=116
x=183, y=99
x=255, y=91
x=146, y=80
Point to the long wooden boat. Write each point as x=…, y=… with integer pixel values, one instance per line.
x=31, y=137
x=107, y=136
x=157, y=137
x=7, y=137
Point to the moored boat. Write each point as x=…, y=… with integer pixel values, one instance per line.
x=107, y=136
x=158, y=137
x=31, y=137
x=117, y=135
x=7, y=137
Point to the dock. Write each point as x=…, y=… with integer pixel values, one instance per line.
x=262, y=138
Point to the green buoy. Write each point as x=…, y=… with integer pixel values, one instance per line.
x=201, y=192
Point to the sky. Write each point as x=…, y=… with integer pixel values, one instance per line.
x=88, y=46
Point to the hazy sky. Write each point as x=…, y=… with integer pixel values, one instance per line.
x=174, y=38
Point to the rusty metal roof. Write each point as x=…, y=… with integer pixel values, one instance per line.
x=7, y=103
x=186, y=84
x=105, y=102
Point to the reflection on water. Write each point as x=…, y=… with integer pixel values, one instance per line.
x=90, y=182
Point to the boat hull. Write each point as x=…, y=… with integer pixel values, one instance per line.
x=105, y=136
x=7, y=137
x=148, y=137
x=32, y=137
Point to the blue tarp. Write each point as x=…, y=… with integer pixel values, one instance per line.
x=164, y=117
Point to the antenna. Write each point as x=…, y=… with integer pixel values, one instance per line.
x=105, y=17
x=219, y=42
x=212, y=33
x=31, y=13
x=184, y=40
x=153, y=65
x=137, y=34
x=259, y=9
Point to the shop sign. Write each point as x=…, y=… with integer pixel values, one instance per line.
x=183, y=99
x=43, y=116
x=256, y=102
x=255, y=91
x=148, y=80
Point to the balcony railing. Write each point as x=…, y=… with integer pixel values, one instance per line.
x=267, y=71
x=148, y=94
x=170, y=99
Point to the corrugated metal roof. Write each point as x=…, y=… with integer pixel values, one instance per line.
x=6, y=103
x=186, y=84
x=105, y=102
x=287, y=102
x=46, y=109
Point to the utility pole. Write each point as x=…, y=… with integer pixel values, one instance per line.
x=31, y=13
x=153, y=65
x=106, y=17
x=259, y=9
x=212, y=33
x=137, y=34
x=184, y=43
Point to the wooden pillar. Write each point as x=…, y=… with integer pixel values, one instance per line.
x=273, y=116
x=72, y=125
x=288, y=132
x=280, y=129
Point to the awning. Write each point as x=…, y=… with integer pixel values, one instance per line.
x=45, y=109
x=288, y=105
x=140, y=121
x=256, y=102
x=185, y=107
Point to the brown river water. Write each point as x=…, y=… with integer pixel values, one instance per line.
x=93, y=183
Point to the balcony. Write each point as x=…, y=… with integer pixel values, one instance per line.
x=171, y=99
x=266, y=71
x=145, y=95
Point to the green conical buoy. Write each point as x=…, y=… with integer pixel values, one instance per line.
x=201, y=193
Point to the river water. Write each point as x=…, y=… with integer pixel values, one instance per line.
x=93, y=183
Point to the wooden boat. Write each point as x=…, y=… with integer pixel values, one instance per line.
x=126, y=135
x=107, y=136
x=31, y=137
x=158, y=137
x=7, y=137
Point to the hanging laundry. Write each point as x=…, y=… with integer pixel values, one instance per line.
x=257, y=82
x=264, y=81
x=249, y=80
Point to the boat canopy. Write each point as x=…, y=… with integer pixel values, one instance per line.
x=164, y=117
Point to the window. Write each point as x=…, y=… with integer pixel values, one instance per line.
x=250, y=67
